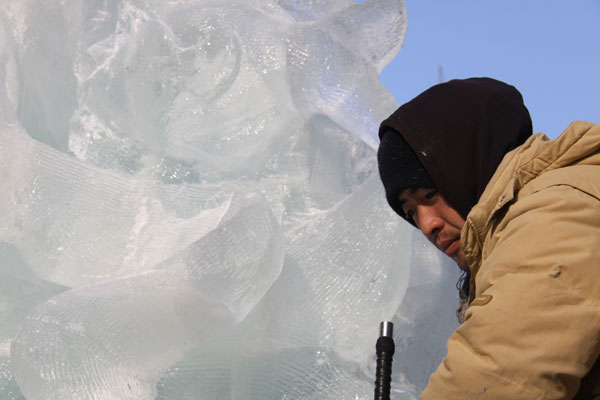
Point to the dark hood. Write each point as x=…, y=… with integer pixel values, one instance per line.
x=459, y=130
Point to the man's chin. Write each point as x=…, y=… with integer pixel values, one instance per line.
x=460, y=260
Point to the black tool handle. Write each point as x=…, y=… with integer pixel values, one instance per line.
x=385, y=348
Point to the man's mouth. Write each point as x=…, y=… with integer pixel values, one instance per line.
x=450, y=247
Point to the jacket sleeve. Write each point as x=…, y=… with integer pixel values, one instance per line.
x=533, y=331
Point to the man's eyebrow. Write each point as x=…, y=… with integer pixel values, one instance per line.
x=401, y=200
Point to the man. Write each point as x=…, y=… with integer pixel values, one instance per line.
x=521, y=215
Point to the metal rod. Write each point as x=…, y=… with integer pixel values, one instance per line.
x=386, y=328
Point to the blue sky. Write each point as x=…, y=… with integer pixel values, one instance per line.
x=548, y=49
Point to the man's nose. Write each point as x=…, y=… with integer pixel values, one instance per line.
x=429, y=221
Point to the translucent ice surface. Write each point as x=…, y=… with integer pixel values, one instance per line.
x=190, y=206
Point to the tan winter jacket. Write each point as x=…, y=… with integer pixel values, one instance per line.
x=532, y=330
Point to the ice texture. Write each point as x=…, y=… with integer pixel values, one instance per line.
x=190, y=206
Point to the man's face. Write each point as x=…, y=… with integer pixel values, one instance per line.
x=440, y=223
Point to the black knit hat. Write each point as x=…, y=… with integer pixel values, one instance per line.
x=399, y=169
x=460, y=131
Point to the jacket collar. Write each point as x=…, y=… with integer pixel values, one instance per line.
x=537, y=155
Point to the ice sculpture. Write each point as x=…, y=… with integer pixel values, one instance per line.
x=190, y=207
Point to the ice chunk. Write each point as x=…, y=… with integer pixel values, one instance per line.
x=114, y=339
x=334, y=69
x=426, y=315
x=9, y=88
x=76, y=224
x=20, y=292
x=310, y=10
x=312, y=334
x=383, y=27
x=8, y=387
x=337, y=282
x=190, y=206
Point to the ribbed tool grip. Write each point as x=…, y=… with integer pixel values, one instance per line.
x=383, y=375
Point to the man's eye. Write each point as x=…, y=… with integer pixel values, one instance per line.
x=431, y=195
